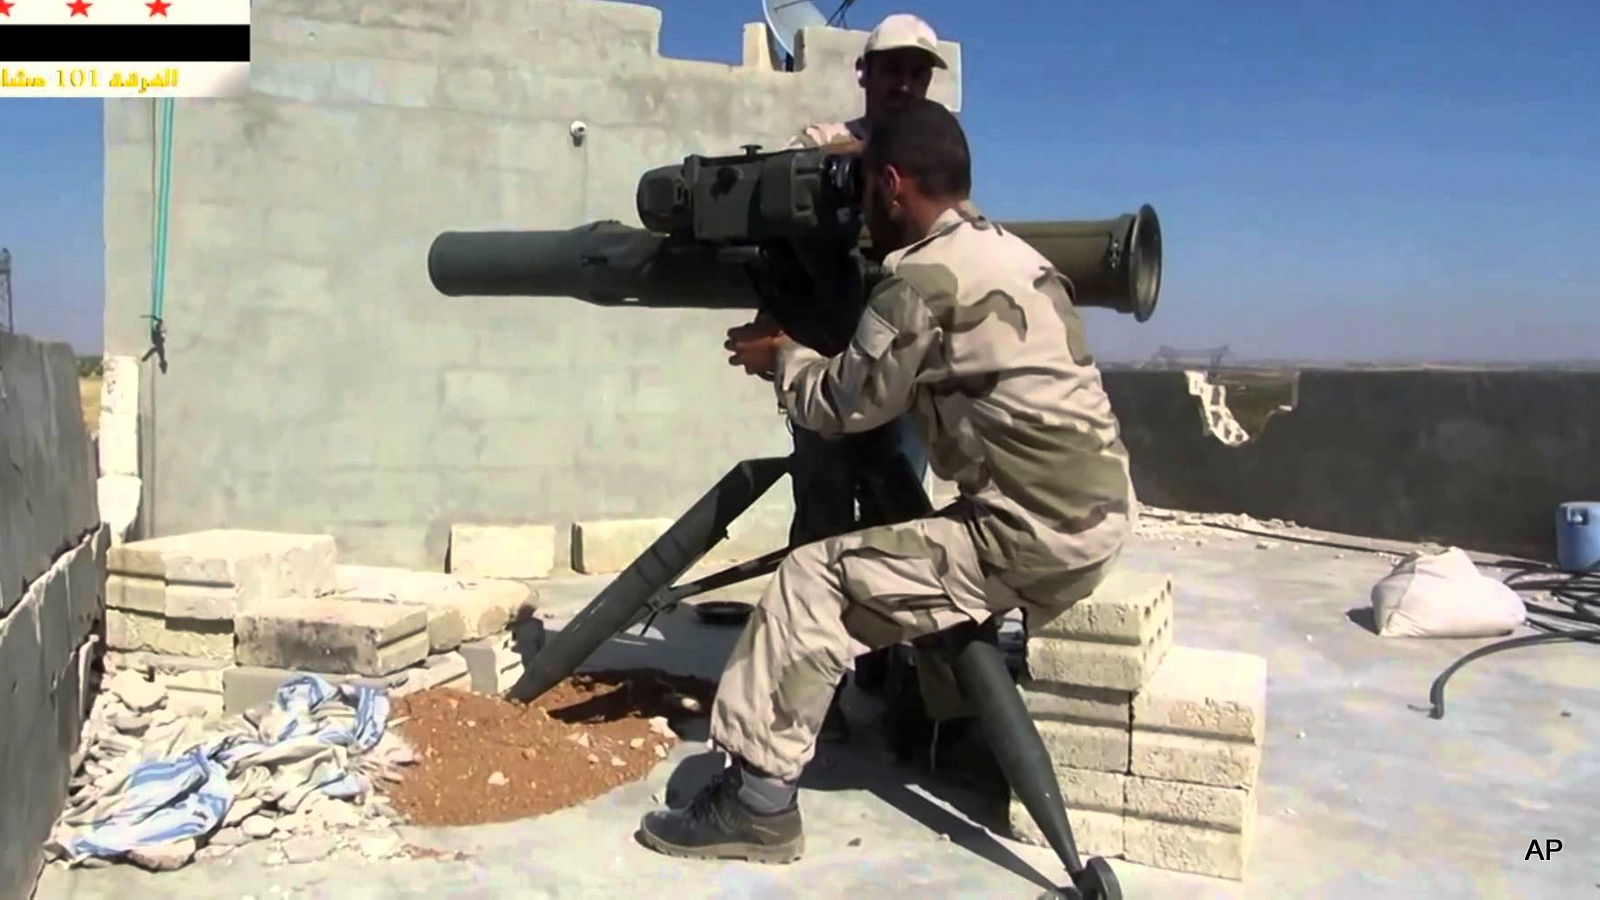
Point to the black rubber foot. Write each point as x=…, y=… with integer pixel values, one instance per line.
x=1097, y=881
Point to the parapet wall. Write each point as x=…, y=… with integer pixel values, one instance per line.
x=318, y=383
x=52, y=599
x=1478, y=459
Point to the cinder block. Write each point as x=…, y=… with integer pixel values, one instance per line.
x=1094, y=804
x=1195, y=805
x=253, y=687
x=459, y=609
x=1127, y=608
x=136, y=592
x=130, y=630
x=610, y=545
x=1199, y=760
x=1211, y=693
x=1123, y=667
x=1185, y=848
x=328, y=634
x=1056, y=701
x=1115, y=638
x=255, y=565
x=1096, y=747
x=502, y=551
x=1202, y=719
x=493, y=664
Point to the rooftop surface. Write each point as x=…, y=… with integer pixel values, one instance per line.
x=1362, y=795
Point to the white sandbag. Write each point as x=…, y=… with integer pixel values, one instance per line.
x=1443, y=595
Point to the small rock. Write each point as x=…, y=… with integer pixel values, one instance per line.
x=656, y=798
x=258, y=827
x=581, y=738
x=636, y=743
x=1301, y=735
x=1565, y=714
x=230, y=837
x=944, y=838
x=617, y=761
x=658, y=724
x=212, y=851
x=530, y=754
x=136, y=693
x=379, y=846
x=661, y=751
x=593, y=759
x=855, y=842
x=498, y=779
x=306, y=849
x=1266, y=545
x=471, y=724
x=337, y=813
x=240, y=810
x=163, y=857
x=690, y=703
x=1309, y=639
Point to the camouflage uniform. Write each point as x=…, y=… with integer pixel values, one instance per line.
x=977, y=335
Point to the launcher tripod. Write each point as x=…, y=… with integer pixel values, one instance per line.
x=890, y=493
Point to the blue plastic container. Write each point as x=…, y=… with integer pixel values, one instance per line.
x=1577, y=536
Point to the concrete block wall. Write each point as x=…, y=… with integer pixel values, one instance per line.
x=318, y=383
x=52, y=600
x=1479, y=459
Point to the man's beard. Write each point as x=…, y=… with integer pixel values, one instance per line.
x=888, y=231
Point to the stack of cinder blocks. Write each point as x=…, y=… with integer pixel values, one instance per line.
x=223, y=617
x=1157, y=747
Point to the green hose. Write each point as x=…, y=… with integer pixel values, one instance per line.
x=158, y=269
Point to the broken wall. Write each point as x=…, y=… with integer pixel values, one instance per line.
x=52, y=577
x=1479, y=459
x=318, y=383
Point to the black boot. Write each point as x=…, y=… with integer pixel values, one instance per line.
x=718, y=825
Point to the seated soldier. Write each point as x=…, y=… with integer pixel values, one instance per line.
x=976, y=335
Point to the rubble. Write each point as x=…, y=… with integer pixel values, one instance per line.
x=131, y=721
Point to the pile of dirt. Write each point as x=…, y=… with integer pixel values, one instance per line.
x=482, y=759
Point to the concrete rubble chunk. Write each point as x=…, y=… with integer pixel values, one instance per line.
x=136, y=693
x=212, y=575
x=460, y=609
x=1208, y=693
x=502, y=551
x=328, y=634
x=493, y=663
x=611, y=545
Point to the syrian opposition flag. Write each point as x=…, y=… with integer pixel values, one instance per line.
x=124, y=48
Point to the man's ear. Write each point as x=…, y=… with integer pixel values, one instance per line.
x=893, y=182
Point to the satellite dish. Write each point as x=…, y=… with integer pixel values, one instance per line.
x=785, y=18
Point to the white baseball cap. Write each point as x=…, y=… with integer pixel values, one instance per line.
x=905, y=30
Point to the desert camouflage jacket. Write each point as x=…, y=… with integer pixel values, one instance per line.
x=976, y=334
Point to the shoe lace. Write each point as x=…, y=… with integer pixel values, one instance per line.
x=704, y=805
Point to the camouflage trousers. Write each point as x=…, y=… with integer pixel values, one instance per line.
x=831, y=601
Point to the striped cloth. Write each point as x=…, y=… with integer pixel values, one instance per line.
x=305, y=742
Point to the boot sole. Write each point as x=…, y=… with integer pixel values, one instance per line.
x=776, y=855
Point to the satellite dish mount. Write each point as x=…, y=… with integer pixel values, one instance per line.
x=785, y=18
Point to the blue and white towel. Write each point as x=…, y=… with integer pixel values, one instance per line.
x=304, y=743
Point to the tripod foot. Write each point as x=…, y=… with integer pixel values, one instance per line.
x=1097, y=881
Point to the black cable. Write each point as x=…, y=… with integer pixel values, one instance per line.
x=1580, y=590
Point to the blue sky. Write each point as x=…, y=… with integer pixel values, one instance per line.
x=1353, y=180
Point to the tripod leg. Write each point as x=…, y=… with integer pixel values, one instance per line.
x=1015, y=741
x=695, y=532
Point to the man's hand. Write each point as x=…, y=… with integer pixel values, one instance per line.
x=755, y=346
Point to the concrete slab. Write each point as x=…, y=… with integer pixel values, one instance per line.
x=1361, y=794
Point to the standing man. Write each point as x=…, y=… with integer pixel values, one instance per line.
x=975, y=333
x=895, y=68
